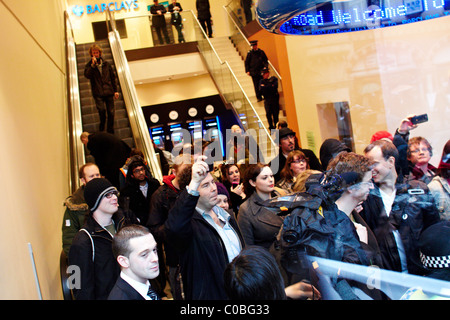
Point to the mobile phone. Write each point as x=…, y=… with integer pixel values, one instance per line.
x=419, y=119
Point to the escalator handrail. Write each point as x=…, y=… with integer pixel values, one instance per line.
x=77, y=152
x=135, y=114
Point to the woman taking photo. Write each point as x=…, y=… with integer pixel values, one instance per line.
x=231, y=179
x=259, y=226
x=296, y=163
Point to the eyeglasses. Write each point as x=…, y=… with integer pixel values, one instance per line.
x=420, y=150
x=137, y=170
x=112, y=193
x=299, y=161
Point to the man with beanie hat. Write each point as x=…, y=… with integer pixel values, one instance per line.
x=138, y=189
x=91, y=249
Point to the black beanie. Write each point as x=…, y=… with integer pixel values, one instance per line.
x=95, y=190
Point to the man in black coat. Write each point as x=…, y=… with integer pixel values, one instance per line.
x=159, y=21
x=91, y=248
x=138, y=190
x=397, y=212
x=176, y=19
x=162, y=201
x=255, y=61
x=103, y=86
x=206, y=237
x=204, y=16
x=268, y=88
x=110, y=153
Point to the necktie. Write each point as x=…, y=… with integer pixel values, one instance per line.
x=152, y=294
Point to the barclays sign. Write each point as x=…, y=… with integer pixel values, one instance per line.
x=79, y=10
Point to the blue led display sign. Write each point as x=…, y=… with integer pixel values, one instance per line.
x=78, y=10
x=346, y=16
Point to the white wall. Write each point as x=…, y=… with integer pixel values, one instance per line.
x=384, y=74
x=34, y=163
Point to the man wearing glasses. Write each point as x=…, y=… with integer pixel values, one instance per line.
x=91, y=252
x=138, y=190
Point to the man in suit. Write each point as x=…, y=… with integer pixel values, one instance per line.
x=135, y=250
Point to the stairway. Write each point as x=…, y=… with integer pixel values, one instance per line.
x=90, y=117
x=228, y=52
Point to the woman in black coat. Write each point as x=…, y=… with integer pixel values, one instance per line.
x=259, y=226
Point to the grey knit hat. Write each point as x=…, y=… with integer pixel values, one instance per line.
x=95, y=190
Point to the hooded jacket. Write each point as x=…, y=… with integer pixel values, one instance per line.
x=330, y=149
x=131, y=196
x=74, y=217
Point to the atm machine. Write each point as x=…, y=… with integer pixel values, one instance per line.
x=212, y=131
x=158, y=136
x=195, y=127
x=176, y=134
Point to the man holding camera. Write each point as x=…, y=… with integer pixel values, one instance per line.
x=205, y=236
x=103, y=86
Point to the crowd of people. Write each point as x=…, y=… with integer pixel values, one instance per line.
x=230, y=233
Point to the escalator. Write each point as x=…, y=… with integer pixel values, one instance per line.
x=129, y=124
x=90, y=117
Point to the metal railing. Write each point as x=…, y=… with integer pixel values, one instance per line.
x=76, y=150
x=232, y=91
x=135, y=115
x=238, y=37
x=220, y=71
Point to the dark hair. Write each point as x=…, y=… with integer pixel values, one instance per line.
x=254, y=275
x=388, y=149
x=121, y=240
x=443, y=168
x=225, y=168
x=137, y=162
x=253, y=171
